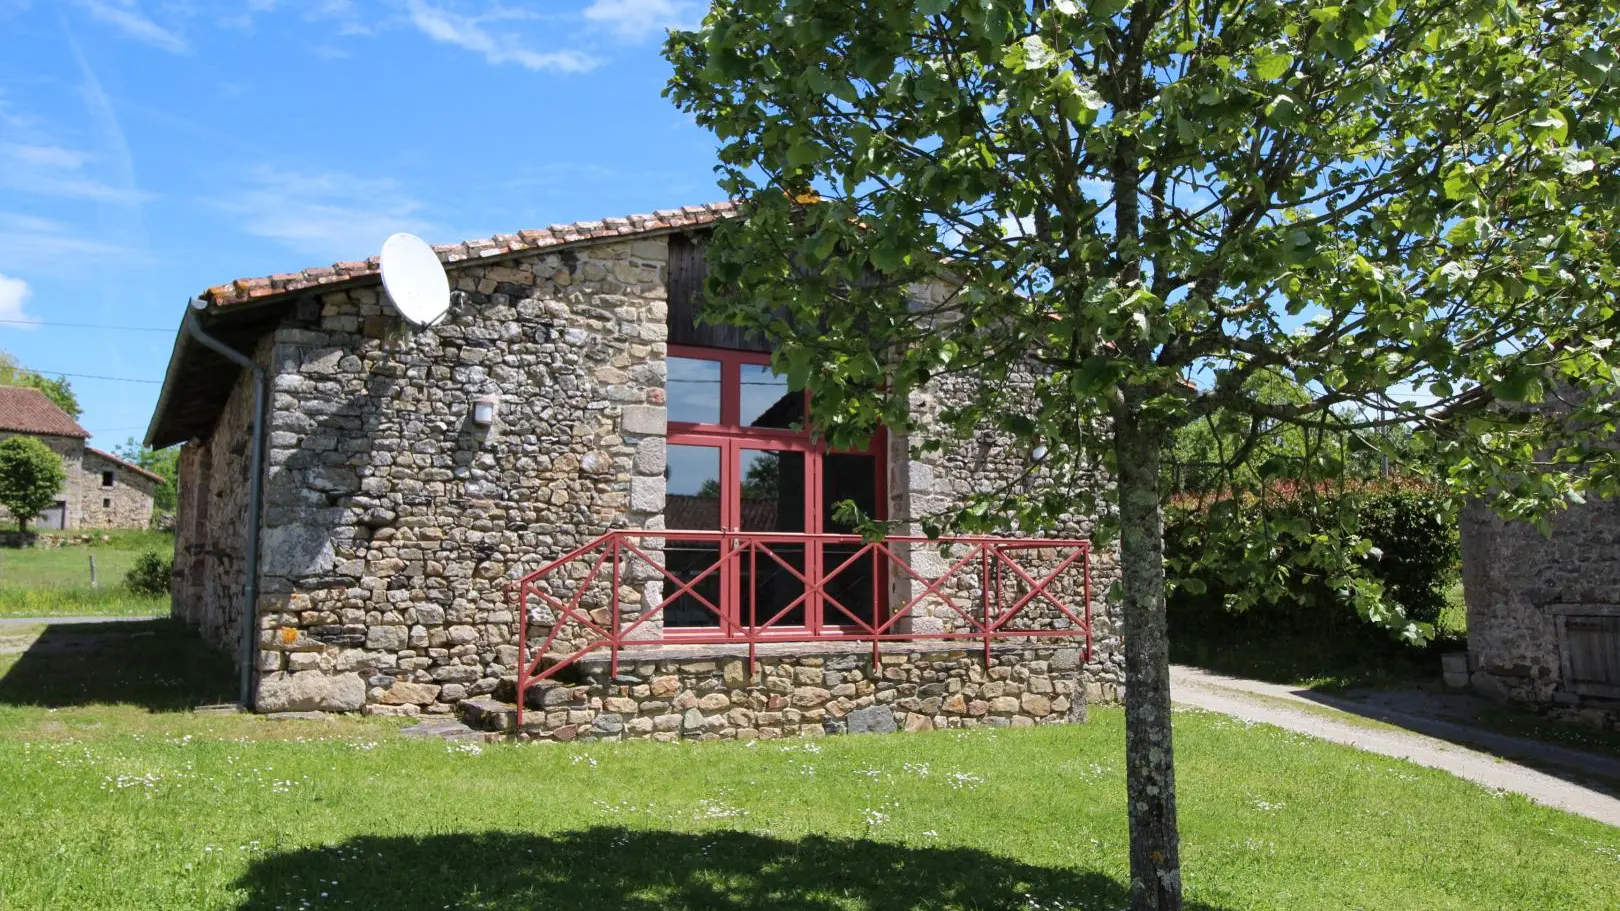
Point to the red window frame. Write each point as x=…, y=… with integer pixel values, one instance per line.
x=731, y=437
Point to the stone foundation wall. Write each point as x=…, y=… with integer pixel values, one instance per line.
x=1521, y=586
x=815, y=694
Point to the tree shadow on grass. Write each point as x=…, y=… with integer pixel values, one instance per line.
x=159, y=665
x=610, y=869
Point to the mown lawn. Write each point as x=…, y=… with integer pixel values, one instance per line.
x=55, y=581
x=113, y=799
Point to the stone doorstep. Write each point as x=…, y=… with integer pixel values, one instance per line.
x=486, y=713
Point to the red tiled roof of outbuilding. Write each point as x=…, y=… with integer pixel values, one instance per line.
x=24, y=409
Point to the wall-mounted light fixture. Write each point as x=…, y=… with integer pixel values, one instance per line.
x=484, y=410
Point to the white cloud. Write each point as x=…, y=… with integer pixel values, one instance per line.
x=328, y=215
x=636, y=19
x=46, y=169
x=14, y=293
x=466, y=33
x=45, y=246
x=126, y=16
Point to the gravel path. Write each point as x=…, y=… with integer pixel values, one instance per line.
x=42, y=621
x=1284, y=707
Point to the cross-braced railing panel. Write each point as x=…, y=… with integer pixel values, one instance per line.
x=642, y=588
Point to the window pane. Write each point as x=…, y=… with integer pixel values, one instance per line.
x=692, y=500
x=772, y=490
x=692, y=487
x=693, y=391
x=855, y=584
x=766, y=401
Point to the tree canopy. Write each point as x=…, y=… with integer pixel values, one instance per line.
x=58, y=390
x=1406, y=210
x=162, y=462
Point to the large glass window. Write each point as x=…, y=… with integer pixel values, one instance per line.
x=742, y=466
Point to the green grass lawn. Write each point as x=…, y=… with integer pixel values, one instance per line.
x=55, y=581
x=115, y=800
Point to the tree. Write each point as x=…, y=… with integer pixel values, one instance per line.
x=31, y=476
x=1158, y=203
x=162, y=462
x=58, y=390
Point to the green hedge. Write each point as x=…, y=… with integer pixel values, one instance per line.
x=1276, y=560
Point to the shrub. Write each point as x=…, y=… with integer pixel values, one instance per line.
x=150, y=574
x=1297, y=582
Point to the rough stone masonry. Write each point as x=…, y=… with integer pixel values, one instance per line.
x=394, y=525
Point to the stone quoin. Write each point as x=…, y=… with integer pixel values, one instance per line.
x=395, y=526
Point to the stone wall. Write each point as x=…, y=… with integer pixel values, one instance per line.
x=810, y=693
x=1522, y=587
x=394, y=523
x=127, y=503
x=210, y=568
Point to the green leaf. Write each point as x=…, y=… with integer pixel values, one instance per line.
x=1269, y=65
x=1466, y=231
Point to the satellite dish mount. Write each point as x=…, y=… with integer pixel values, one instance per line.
x=415, y=280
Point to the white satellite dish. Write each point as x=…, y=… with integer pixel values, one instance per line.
x=415, y=280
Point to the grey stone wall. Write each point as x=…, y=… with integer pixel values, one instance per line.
x=127, y=503
x=394, y=523
x=210, y=568
x=1521, y=585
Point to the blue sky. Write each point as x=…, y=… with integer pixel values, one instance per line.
x=152, y=148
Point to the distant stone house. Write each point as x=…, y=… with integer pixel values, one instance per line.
x=1544, y=610
x=405, y=545
x=101, y=490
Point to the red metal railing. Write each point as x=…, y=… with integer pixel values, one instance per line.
x=598, y=595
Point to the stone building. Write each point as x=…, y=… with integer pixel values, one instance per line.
x=404, y=541
x=1543, y=610
x=101, y=490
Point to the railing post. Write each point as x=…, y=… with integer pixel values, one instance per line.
x=523, y=650
x=1085, y=571
x=613, y=638
x=985, y=600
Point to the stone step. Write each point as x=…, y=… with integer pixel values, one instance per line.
x=506, y=691
x=487, y=713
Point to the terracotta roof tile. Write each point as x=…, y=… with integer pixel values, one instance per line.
x=27, y=410
x=247, y=289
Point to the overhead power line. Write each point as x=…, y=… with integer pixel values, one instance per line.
x=30, y=322
x=92, y=376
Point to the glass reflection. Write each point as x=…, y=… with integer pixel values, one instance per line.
x=766, y=401
x=693, y=390
x=692, y=501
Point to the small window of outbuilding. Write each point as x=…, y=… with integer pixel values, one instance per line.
x=106, y=503
x=107, y=478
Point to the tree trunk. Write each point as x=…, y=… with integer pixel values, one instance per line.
x=1150, y=776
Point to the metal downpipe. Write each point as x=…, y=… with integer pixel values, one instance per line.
x=250, y=611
